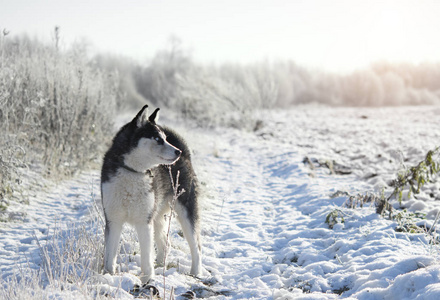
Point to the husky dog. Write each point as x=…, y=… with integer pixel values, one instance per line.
x=136, y=188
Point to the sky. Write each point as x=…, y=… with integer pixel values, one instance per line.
x=333, y=35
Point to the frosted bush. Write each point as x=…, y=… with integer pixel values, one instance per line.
x=228, y=94
x=224, y=96
x=54, y=105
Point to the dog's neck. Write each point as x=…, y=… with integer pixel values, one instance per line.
x=147, y=172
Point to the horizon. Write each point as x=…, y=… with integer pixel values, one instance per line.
x=341, y=36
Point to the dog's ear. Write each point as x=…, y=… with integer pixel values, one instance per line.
x=154, y=116
x=141, y=117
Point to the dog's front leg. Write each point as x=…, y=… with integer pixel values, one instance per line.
x=112, y=237
x=145, y=234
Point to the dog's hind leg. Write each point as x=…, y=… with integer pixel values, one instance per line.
x=191, y=232
x=160, y=235
x=145, y=234
x=112, y=236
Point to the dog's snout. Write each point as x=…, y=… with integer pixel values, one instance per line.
x=177, y=152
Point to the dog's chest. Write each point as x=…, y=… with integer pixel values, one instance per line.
x=129, y=196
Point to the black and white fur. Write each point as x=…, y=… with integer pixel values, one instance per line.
x=136, y=188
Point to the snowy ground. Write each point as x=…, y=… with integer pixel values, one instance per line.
x=264, y=212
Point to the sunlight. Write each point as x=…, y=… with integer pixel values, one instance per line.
x=340, y=35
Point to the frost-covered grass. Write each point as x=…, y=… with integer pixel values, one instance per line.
x=53, y=104
x=55, y=111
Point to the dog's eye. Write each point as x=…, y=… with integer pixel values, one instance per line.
x=159, y=140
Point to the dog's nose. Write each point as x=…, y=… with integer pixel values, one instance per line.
x=178, y=152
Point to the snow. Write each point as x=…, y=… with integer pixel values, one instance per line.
x=263, y=213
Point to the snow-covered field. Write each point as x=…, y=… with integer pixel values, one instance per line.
x=263, y=220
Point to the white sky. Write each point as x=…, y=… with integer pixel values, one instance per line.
x=335, y=35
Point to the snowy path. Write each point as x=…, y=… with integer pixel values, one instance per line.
x=247, y=225
x=263, y=182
